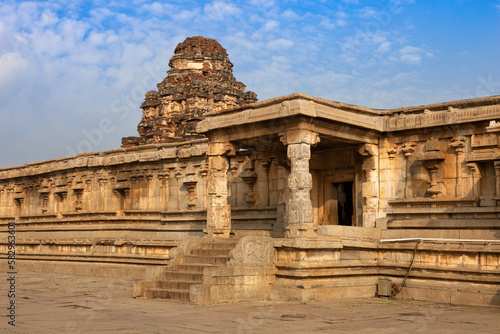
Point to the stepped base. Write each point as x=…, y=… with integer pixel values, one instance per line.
x=188, y=271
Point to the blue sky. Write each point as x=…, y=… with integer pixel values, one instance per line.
x=73, y=73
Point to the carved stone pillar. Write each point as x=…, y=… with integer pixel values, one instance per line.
x=458, y=143
x=408, y=149
x=192, y=195
x=218, y=207
x=163, y=177
x=44, y=192
x=266, y=164
x=249, y=177
x=476, y=175
x=432, y=160
x=497, y=179
x=300, y=218
x=370, y=188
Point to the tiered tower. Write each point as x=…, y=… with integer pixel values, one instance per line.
x=200, y=80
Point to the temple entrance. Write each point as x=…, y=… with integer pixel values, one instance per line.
x=339, y=205
x=345, y=203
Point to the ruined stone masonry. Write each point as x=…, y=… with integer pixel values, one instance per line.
x=295, y=198
x=200, y=80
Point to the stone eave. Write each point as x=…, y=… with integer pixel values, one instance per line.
x=388, y=120
x=296, y=96
x=444, y=106
x=297, y=104
x=118, y=156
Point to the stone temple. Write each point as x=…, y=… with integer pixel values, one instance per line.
x=295, y=198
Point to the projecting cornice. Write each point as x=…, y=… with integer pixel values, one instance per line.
x=432, y=115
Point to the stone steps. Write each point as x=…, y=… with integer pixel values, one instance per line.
x=168, y=294
x=177, y=281
x=226, y=245
x=182, y=285
x=183, y=276
x=206, y=259
x=211, y=252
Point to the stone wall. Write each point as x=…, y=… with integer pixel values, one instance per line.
x=129, y=206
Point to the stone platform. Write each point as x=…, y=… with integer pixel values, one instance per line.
x=60, y=303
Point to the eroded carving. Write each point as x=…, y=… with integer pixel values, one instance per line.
x=252, y=251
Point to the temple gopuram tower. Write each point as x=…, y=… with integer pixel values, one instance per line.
x=200, y=80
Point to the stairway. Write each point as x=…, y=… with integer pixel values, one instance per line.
x=176, y=281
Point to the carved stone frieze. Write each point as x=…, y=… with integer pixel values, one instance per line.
x=494, y=126
x=252, y=251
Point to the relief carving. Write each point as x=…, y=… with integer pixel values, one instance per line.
x=494, y=126
x=252, y=251
x=408, y=148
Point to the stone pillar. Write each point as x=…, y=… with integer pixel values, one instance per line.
x=476, y=175
x=408, y=149
x=163, y=178
x=370, y=189
x=266, y=164
x=497, y=179
x=300, y=218
x=218, y=207
x=458, y=143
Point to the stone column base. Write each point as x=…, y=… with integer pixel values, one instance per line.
x=301, y=231
x=218, y=233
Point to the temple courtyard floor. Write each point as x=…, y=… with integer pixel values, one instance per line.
x=60, y=303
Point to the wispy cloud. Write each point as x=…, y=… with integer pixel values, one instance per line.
x=413, y=55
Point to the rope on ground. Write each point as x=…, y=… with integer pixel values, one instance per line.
x=396, y=288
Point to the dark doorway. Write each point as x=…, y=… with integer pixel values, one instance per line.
x=345, y=203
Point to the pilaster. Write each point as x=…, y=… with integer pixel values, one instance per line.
x=458, y=143
x=218, y=207
x=370, y=188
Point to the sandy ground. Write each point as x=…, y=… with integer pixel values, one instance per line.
x=58, y=303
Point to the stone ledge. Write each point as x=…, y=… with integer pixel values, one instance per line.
x=430, y=210
x=81, y=268
x=349, y=231
x=308, y=243
x=109, y=227
x=445, y=223
x=104, y=259
x=87, y=242
x=451, y=292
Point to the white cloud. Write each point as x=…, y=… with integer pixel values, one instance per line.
x=411, y=58
x=219, y=10
x=413, y=55
x=11, y=64
x=262, y=3
x=367, y=13
x=384, y=47
x=290, y=14
x=326, y=23
x=270, y=25
x=279, y=44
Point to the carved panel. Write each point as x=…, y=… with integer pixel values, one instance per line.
x=252, y=251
